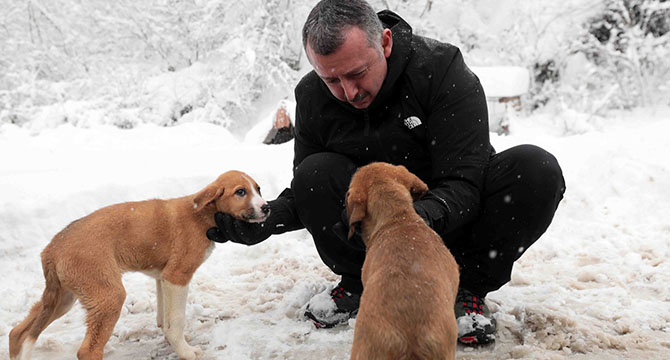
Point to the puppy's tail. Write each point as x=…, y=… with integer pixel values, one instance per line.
x=23, y=336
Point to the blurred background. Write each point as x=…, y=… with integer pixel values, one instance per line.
x=226, y=62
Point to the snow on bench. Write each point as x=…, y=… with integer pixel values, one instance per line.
x=503, y=86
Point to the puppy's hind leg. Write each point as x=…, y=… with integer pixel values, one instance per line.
x=103, y=301
x=174, y=297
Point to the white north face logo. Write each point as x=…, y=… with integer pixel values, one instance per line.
x=412, y=122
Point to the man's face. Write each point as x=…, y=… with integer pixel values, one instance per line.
x=355, y=71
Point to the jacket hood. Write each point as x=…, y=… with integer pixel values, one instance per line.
x=400, y=53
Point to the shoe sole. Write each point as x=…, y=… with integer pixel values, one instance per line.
x=320, y=325
x=477, y=349
x=476, y=341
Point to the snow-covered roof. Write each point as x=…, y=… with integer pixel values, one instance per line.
x=503, y=81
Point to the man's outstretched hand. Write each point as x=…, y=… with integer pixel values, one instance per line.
x=238, y=231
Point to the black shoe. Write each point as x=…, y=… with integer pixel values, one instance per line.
x=326, y=309
x=476, y=326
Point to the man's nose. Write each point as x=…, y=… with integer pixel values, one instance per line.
x=350, y=89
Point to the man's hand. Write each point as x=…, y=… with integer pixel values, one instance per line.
x=421, y=210
x=341, y=228
x=238, y=231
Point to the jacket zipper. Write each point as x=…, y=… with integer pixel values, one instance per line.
x=366, y=116
x=376, y=138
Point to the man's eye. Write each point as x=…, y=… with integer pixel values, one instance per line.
x=240, y=192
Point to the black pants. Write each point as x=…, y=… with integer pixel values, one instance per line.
x=522, y=189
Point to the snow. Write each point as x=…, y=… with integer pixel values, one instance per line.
x=593, y=287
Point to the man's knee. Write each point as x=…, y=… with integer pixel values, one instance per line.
x=322, y=177
x=538, y=170
x=319, y=168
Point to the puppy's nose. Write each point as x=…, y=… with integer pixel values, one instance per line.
x=265, y=209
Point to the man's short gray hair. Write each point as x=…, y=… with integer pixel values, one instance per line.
x=323, y=29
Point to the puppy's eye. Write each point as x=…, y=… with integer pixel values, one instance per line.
x=259, y=190
x=240, y=192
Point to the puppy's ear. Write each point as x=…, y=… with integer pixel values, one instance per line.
x=356, y=209
x=416, y=186
x=206, y=196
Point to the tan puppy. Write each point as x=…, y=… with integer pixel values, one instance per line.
x=410, y=279
x=163, y=238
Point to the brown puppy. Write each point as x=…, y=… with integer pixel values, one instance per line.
x=410, y=279
x=163, y=238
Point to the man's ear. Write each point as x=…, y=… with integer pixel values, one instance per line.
x=387, y=43
x=416, y=186
x=206, y=196
x=356, y=209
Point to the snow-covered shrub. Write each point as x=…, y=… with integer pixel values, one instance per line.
x=546, y=75
x=625, y=52
x=132, y=61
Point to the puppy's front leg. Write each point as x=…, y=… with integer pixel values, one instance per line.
x=174, y=297
x=159, y=303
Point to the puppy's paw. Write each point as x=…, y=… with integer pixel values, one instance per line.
x=190, y=353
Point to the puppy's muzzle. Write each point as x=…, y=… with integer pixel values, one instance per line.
x=256, y=215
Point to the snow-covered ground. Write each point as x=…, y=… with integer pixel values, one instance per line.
x=595, y=286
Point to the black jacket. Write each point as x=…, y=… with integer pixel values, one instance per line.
x=430, y=115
